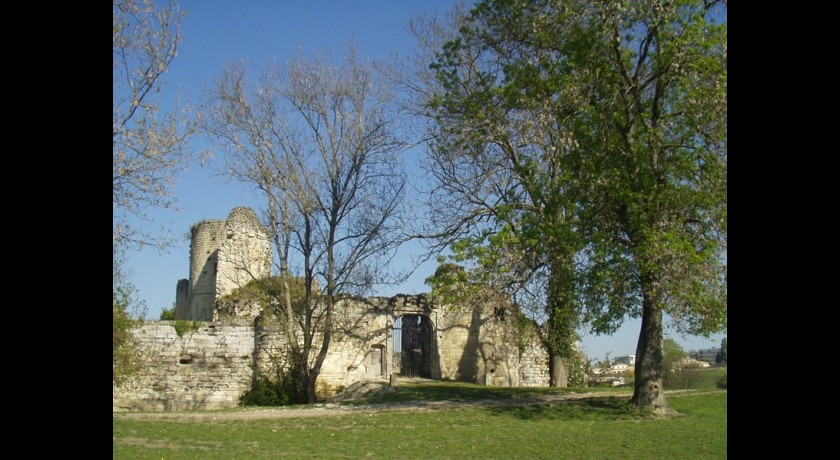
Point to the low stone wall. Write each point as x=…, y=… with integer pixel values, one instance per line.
x=211, y=366
x=533, y=362
x=204, y=368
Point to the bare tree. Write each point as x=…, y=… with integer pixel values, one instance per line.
x=320, y=143
x=149, y=147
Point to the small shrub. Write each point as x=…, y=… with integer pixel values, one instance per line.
x=264, y=392
x=182, y=326
x=580, y=372
x=270, y=293
x=630, y=378
x=721, y=383
x=286, y=387
x=126, y=351
x=167, y=314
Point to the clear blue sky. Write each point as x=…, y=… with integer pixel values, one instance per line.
x=217, y=32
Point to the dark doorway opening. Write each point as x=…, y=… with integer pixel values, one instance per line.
x=412, y=339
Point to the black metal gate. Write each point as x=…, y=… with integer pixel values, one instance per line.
x=415, y=345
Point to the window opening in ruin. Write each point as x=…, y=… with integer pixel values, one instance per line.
x=499, y=313
x=412, y=342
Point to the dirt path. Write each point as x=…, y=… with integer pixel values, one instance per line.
x=335, y=409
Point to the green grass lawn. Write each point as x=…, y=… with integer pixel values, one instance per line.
x=600, y=428
x=710, y=378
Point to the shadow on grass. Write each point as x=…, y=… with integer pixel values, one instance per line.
x=459, y=391
x=590, y=409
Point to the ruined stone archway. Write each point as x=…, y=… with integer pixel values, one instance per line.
x=413, y=345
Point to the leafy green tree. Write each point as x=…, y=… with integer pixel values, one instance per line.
x=672, y=353
x=656, y=205
x=586, y=142
x=503, y=195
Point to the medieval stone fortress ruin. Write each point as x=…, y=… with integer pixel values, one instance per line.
x=207, y=358
x=224, y=255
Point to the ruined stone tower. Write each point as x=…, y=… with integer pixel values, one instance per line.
x=224, y=255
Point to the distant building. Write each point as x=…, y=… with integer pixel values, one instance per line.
x=617, y=372
x=630, y=360
x=709, y=355
x=690, y=362
x=621, y=367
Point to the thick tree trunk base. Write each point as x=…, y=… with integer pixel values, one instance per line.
x=558, y=373
x=652, y=396
x=311, y=396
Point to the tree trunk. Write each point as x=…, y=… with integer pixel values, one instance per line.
x=558, y=372
x=648, y=391
x=562, y=319
x=311, y=397
x=309, y=384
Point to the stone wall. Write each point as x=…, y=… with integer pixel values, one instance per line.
x=207, y=368
x=483, y=344
x=360, y=334
x=533, y=364
x=211, y=367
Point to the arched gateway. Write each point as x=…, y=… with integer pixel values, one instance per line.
x=413, y=345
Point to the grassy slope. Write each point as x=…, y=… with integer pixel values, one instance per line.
x=710, y=378
x=593, y=428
